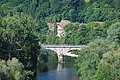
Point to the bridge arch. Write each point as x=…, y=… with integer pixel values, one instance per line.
x=50, y=53
x=63, y=50
x=59, y=53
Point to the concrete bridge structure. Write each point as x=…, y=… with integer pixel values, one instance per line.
x=63, y=50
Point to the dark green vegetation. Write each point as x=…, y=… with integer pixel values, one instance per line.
x=19, y=39
x=81, y=33
x=100, y=60
x=73, y=10
x=23, y=25
x=55, y=10
x=13, y=70
x=46, y=58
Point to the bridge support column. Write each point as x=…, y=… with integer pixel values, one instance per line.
x=60, y=58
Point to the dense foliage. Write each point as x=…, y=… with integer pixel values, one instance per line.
x=100, y=59
x=114, y=32
x=77, y=33
x=11, y=70
x=23, y=25
x=81, y=33
x=73, y=10
x=19, y=39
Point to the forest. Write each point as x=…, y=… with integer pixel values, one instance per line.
x=23, y=29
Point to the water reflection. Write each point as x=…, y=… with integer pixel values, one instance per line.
x=59, y=66
x=59, y=73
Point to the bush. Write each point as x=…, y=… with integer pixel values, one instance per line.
x=114, y=32
x=99, y=61
x=11, y=70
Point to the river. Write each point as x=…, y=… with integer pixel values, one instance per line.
x=55, y=71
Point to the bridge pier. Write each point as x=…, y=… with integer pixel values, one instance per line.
x=64, y=50
x=60, y=58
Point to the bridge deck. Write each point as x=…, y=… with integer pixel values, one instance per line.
x=63, y=46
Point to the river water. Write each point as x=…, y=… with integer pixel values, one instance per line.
x=58, y=72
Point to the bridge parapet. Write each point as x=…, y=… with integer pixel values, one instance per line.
x=64, y=46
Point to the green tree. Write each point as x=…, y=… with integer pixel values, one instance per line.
x=19, y=39
x=114, y=32
x=89, y=58
x=109, y=68
x=77, y=33
x=11, y=70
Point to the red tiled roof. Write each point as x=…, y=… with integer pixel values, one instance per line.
x=50, y=25
x=101, y=23
x=63, y=23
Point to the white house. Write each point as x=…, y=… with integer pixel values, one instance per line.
x=60, y=27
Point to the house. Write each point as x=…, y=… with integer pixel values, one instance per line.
x=50, y=26
x=60, y=27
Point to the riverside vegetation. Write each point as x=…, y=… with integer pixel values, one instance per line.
x=23, y=28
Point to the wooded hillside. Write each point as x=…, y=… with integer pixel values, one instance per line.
x=56, y=10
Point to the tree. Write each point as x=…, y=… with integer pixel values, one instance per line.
x=114, y=32
x=99, y=61
x=89, y=58
x=41, y=28
x=109, y=68
x=77, y=33
x=19, y=39
x=11, y=70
